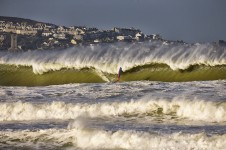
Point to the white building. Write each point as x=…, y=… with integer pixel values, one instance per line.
x=60, y=36
x=46, y=33
x=122, y=38
x=138, y=36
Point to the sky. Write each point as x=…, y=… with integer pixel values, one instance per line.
x=187, y=20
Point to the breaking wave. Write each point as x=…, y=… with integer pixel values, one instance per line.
x=23, y=76
x=80, y=136
x=181, y=108
x=100, y=63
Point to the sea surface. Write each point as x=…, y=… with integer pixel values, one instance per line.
x=169, y=96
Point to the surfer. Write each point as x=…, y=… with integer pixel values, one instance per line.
x=119, y=73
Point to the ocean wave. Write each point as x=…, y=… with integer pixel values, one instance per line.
x=108, y=58
x=23, y=76
x=180, y=108
x=83, y=137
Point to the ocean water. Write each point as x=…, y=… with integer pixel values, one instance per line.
x=169, y=97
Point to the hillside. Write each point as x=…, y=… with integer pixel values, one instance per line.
x=20, y=20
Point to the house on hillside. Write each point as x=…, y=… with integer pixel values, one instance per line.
x=46, y=33
x=38, y=26
x=126, y=38
x=75, y=31
x=59, y=36
x=154, y=37
x=62, y=29
x=139, y=37
x=124, y=31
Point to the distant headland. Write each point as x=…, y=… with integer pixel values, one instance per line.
x=26, y=34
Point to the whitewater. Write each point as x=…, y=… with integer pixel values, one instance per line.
x=109, y=57
x=170, y=96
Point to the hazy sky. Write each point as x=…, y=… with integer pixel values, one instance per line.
x=188, y=20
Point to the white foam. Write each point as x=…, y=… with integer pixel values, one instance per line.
x=181, y=107
x=100, y=139
x=108, y=58
x=88, y=138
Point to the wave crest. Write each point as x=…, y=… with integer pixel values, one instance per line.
x=198, y=110
x=100, y=139
x=109, y=57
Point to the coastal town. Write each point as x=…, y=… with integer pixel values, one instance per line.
x=25, y=34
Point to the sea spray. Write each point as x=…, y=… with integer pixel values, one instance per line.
x=109, y=57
